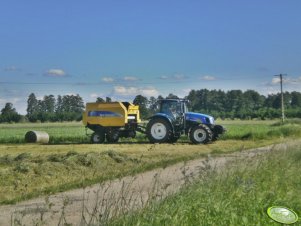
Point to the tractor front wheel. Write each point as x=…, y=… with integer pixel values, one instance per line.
x=200, y=134
x=98, y=137
x=158, y=130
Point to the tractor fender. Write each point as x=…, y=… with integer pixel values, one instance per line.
x=165, y=117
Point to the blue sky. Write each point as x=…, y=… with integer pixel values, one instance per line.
x=129, y=47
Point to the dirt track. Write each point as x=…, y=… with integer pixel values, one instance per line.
x=99, y=202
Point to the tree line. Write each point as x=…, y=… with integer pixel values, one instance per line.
x=230, y=104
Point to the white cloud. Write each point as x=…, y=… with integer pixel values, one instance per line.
x=173, y=77
x=108, y=79
x=293, y=81
x=150, y=91
x=163, y=77
x=125, y=91
x=208, y=78
x=130, y=78
x=11, y=68
x=186, y=91
x=179, y=77
x=94, y=95
x=56, y=73
x=275, y=81
x=286, y=80
x=133, y=91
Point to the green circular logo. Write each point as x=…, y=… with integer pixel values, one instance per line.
x=282, y=215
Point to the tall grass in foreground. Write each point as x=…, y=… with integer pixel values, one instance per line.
x=240, y=195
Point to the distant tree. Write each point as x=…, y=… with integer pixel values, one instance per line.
x=59, y=104
x=172, y=96
x=271, y=101
x=142, y=102
x=296, y=99
x=100, y=100
x=32, y=107
x=108, y=99
x=234, y=100
x=152, y=105
x=9, y=114
x=160, y=97
x=49, y=104
x=72, y=107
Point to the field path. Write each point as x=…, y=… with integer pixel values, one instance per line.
x=99, y=202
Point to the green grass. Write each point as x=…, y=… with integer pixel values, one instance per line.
x=31, y=170
x=261, y=130
x=73, y=132
x=240, y=195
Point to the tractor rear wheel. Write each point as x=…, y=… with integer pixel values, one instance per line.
x=158, y=130
x=200, y=134
x=98, y=137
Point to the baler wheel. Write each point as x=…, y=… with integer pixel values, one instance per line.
x=98, y=137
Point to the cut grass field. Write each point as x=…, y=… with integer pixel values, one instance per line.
x=239, y=195
x=30, y=170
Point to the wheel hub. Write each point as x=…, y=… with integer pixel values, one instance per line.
x=158, y=131
x=199, y=135
x=96, y=138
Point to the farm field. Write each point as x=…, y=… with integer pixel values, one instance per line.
x=69, y=161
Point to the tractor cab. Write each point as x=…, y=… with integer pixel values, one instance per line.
x=175, y=108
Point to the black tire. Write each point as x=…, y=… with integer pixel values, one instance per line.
x=158, y=130
x=218, y=130
x=215, y=137
x=200, y=134
x=173, y=139
x=113, y=137
x=98, y=137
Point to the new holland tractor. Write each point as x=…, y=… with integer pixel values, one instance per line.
x=110, y=121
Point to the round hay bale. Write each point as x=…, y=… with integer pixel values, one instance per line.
x=37, y=137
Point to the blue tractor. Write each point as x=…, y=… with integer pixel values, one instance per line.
x=173, y=120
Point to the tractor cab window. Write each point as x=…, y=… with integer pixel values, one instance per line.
x=172, y=108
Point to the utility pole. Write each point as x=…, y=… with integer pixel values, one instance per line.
x=282, y=101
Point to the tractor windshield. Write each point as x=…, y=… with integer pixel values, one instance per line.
x=172, y=108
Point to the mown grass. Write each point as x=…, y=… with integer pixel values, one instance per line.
x=239, y=195
x=30, y=170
